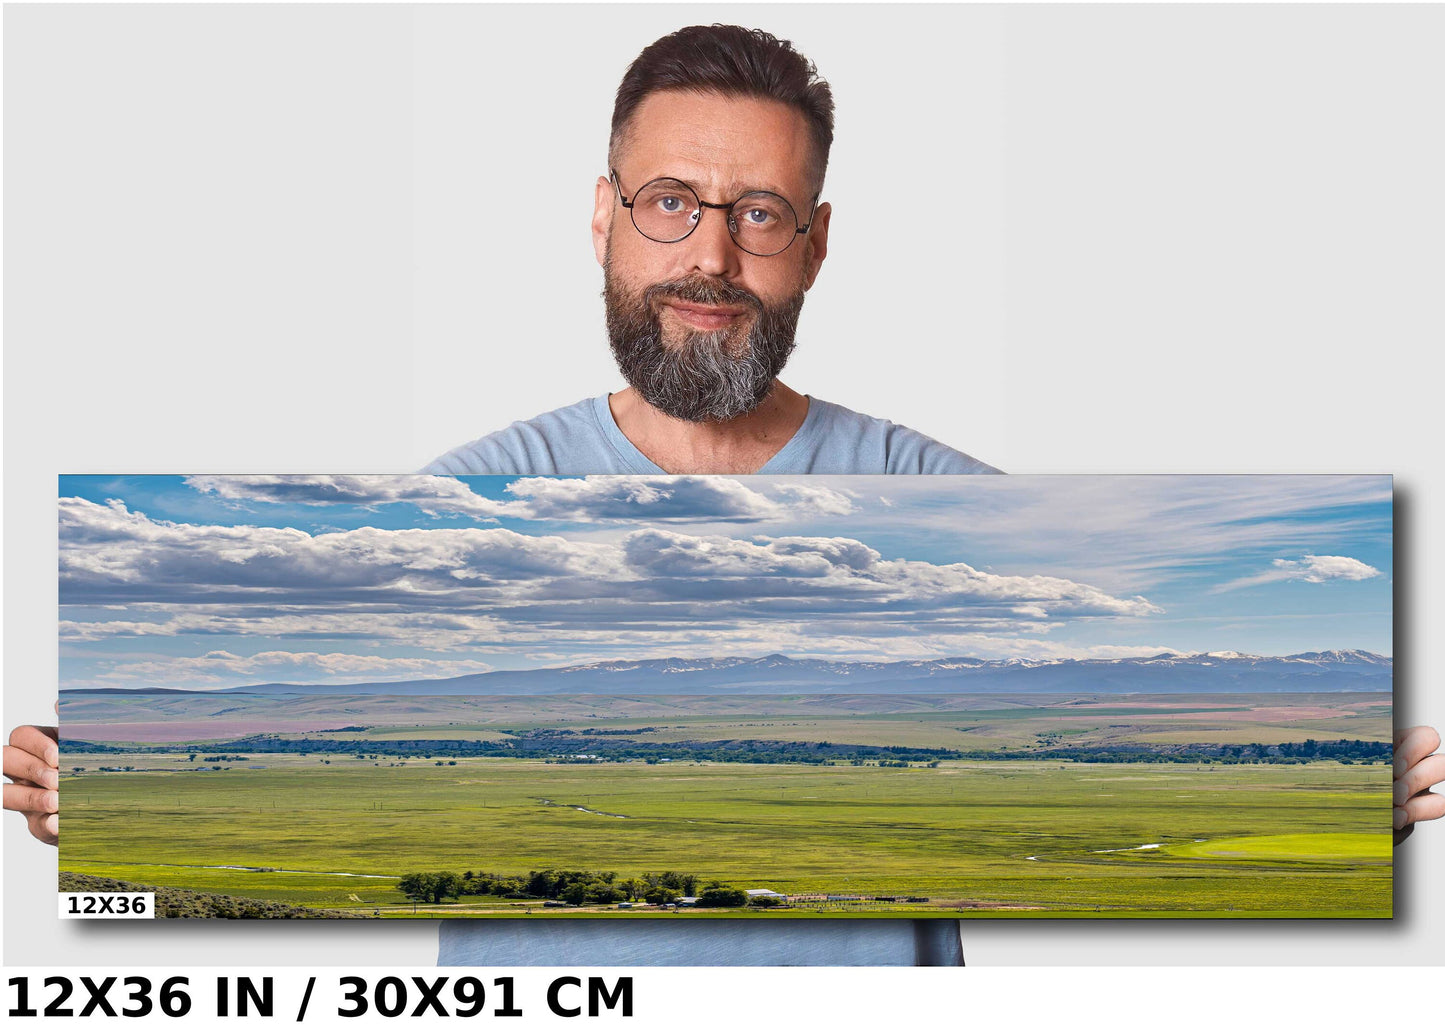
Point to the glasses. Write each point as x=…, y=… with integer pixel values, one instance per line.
x=668, y=210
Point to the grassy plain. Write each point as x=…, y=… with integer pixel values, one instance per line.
x=1020, y=838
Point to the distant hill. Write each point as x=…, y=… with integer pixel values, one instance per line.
x=1220, y=672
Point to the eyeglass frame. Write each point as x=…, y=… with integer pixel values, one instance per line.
x=629, y=204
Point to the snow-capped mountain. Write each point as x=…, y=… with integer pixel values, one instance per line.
x=1211, y=672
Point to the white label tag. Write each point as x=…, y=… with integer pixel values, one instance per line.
x=107, y=905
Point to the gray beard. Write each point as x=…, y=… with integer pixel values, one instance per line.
x=711, y=376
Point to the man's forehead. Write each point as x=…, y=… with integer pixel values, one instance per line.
x=717, y=142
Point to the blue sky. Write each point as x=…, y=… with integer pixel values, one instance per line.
x=216, y=581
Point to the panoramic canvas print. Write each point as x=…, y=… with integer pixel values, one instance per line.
x=380, y=697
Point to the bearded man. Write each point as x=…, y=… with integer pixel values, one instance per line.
x=710, y=231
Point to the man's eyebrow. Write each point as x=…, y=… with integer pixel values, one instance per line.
x=734, y=190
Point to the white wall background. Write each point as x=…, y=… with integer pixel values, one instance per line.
x=346, y=238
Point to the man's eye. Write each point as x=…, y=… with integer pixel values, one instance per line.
x=757, y=216
x=671, y=204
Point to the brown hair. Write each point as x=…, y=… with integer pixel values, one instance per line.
x=733, y=61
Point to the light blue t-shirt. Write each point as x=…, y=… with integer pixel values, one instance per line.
x=584, y=439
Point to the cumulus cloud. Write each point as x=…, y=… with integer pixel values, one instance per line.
x=846, y=565
x=1312, y=569
x=660, y=553
x=134, y=579
x=670, y=500
x=108, y=553
x=590, y=499
x=434, y=496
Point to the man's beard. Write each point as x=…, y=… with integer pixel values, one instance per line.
x=709, y=376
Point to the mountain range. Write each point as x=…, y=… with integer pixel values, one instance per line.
x=1217, y=672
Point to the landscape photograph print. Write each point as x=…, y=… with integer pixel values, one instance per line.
x=400, y=697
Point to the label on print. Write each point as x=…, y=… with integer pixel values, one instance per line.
x=107, y=905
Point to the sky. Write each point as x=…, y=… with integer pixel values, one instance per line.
x=205, y=582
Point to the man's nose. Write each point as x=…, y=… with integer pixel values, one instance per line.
x=710, y=249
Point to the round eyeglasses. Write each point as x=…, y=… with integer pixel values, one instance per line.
x=668, y=210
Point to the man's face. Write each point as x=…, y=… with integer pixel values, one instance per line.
x=700, y=327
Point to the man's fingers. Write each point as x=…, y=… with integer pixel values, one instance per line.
x=24, y=767
x=32, y=760
x=45, y=828
x=1413, y=744
x=40, y=741
x=1420, y=809
x=1422, y=777
x=31, y=800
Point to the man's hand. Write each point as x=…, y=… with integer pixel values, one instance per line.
x=32, y=760
x=1416, y=771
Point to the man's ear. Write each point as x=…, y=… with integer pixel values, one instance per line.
x=601, y=218
x=817, y=239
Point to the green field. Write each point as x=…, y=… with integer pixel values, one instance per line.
x=1024, y=838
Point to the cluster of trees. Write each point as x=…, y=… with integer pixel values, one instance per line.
x=550, y=744
x=430, y=887
x=1341, y=750
x=1347, y=751
x=605, y=749
x=572, y=886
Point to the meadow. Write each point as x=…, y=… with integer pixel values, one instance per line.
x=1024, y=838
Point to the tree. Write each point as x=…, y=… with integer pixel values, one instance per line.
x=603, y=893
x=677, y=881
x=721, y=897
x=575, y=893
x=415, y=886
x=662, y=895
x=430, y=886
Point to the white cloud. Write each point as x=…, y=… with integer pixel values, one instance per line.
x=108, y=552
x=1136, y=532
x=485, y=589
x=1312, y=569
x=1316, y=569
x=627, y=498
x=670, y=500
x=434, y=496
x=591, y=499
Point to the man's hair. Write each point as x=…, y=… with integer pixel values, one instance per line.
x=732, y=61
